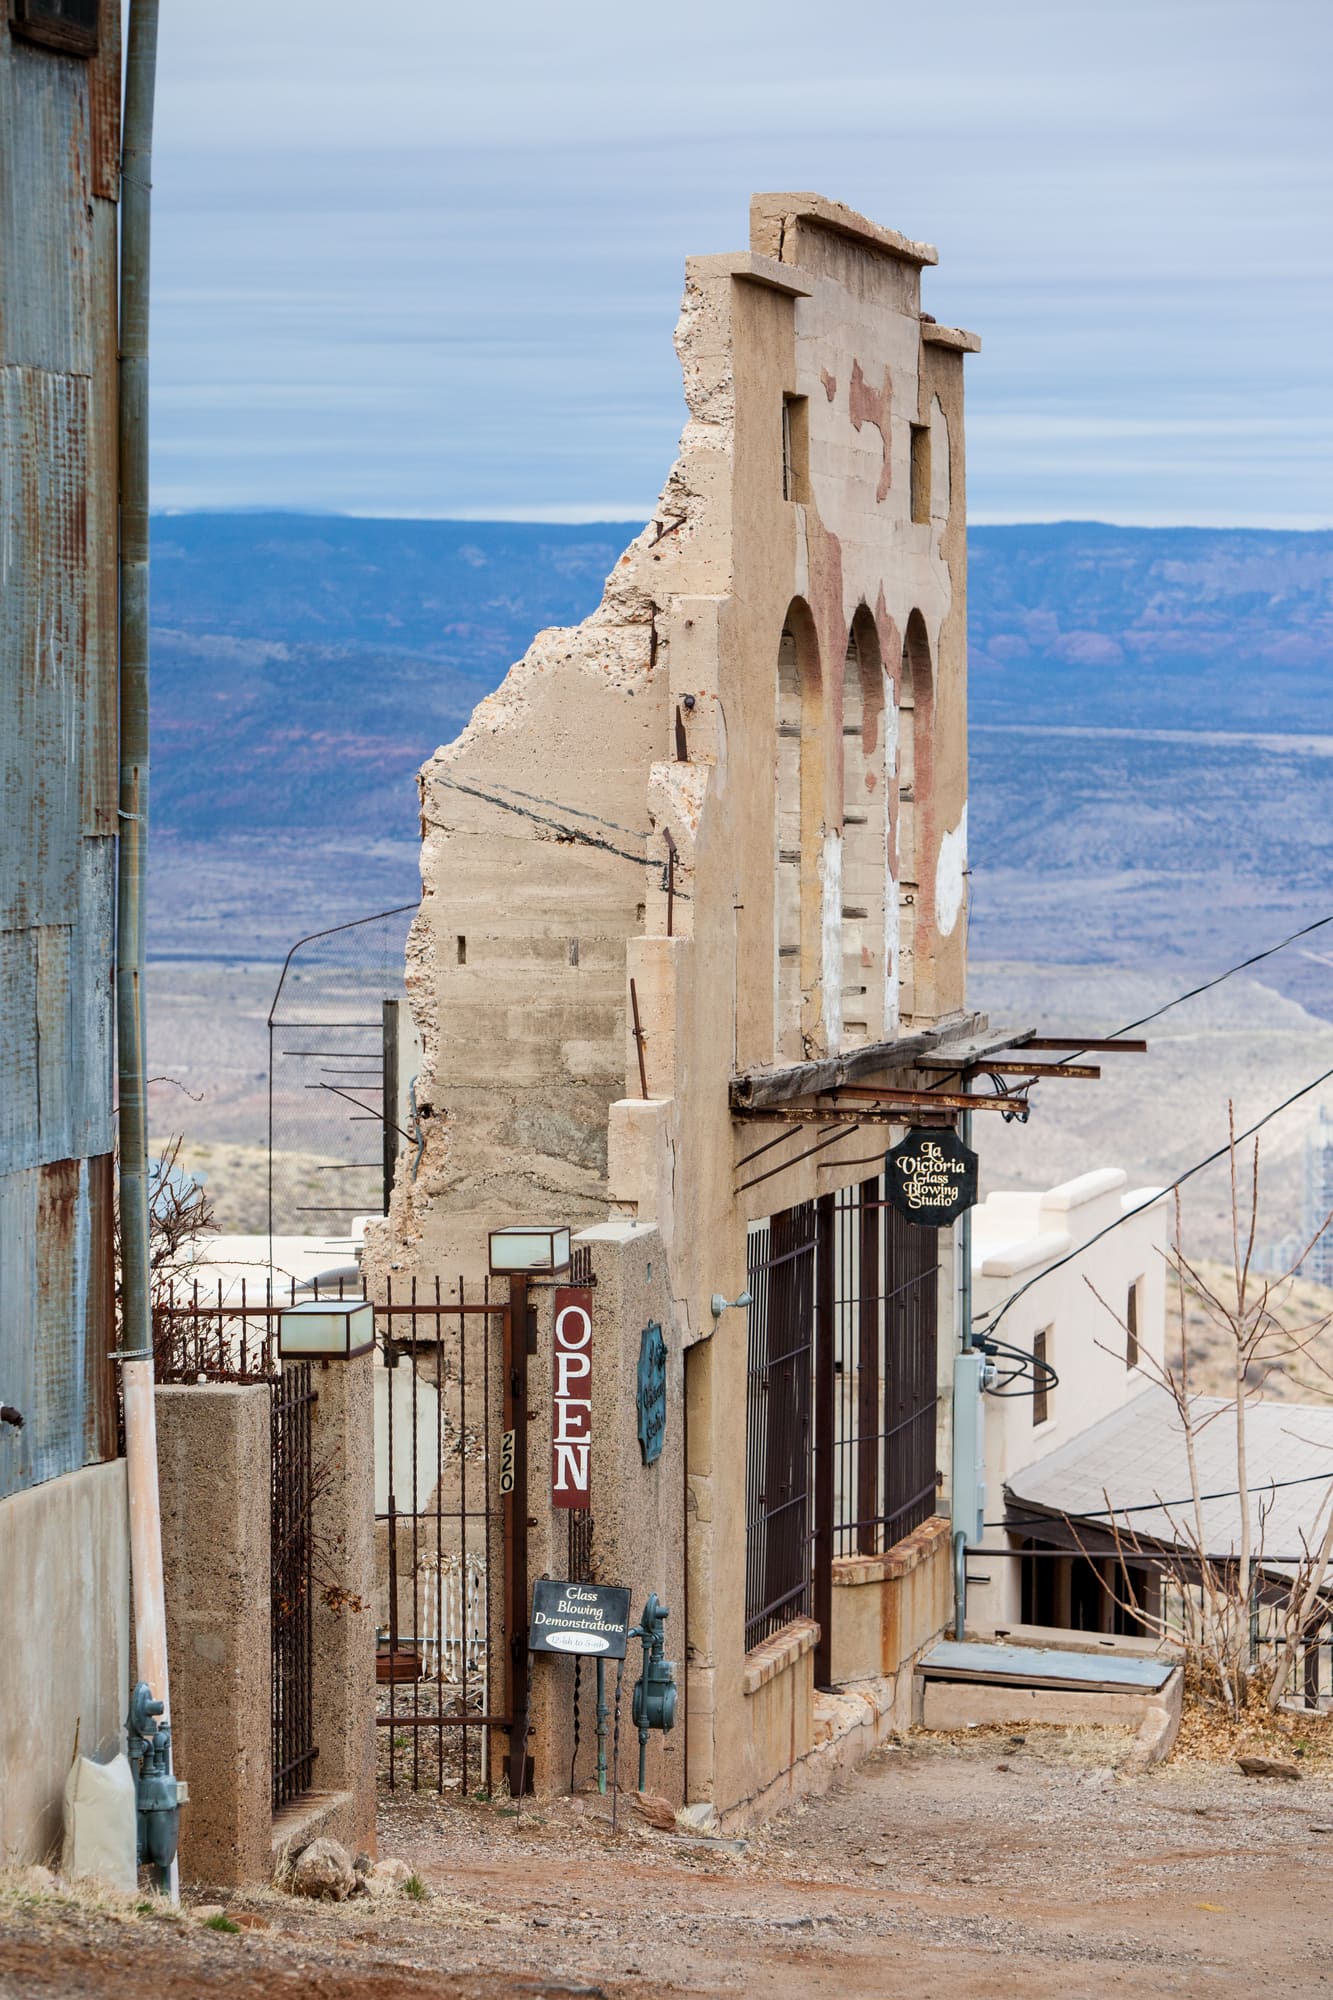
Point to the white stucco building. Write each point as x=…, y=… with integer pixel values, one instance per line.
x=1098, y=1319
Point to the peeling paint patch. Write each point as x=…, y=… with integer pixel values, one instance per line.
x=951, y=877
x=830, y=383
x=874, y=406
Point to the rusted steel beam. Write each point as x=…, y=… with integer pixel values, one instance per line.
x=928, y=1100
x=1085, y=1045
x=1039, y=1072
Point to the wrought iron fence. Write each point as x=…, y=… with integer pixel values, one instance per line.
x=778, y=1416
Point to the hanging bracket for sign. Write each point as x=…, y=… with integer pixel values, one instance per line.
x=931, y=1177
x=590, y=1619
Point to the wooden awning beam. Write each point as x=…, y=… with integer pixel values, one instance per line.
x=953, y=1044
x=888, y=1107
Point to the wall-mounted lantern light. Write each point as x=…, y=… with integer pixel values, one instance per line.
x=326, y=1330
x=722, y=1304
x=521, y=1250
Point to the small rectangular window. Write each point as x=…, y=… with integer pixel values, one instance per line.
x=1132, y=1325
x=67, y=25
x=795, y=448
x=921, y=472
x=1041, y=1395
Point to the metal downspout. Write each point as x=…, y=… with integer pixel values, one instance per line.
x=150, y=1627
x=964, y=1347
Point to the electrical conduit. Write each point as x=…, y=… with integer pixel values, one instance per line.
x=150, y=1623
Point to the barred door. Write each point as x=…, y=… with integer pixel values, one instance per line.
x=883, y=1387
x=291, y=1622
x=778, y=1437
x=841, y=1397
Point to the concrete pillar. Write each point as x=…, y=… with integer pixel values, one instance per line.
x=343, y=1524
x=214, y=1471
x=637, y=1510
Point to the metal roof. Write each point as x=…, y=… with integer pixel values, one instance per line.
x=1042, y=1666
x=1132, y=1465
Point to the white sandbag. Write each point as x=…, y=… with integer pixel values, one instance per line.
x=101, y=1825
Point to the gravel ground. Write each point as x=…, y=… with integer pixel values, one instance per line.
x=972, y=1869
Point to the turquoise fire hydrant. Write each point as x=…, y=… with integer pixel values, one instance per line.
x=159, y=1794
x=655, y=1690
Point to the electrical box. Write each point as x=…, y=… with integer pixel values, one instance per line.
x=968, y=1509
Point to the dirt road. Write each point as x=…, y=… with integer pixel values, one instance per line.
x=973, y=1871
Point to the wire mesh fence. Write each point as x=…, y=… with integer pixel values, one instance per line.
x=328, y=1160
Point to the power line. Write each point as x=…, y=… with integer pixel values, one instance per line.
x=1165, y=1506
x=1210, y=1160
x=1208, y=984
x=1193, y=993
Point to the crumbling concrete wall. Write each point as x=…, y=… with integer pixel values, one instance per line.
x=633, y=857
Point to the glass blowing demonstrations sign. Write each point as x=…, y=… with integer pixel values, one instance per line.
x=931, y=1177
x=587, y=1618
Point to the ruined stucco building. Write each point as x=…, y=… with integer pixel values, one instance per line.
x=698, y=864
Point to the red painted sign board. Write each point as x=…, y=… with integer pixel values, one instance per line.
x=571, y=1406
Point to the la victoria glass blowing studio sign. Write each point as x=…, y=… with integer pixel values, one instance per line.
x=931, y=1177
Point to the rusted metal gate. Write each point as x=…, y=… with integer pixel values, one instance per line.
x=291, y=1621
x=451, y=1533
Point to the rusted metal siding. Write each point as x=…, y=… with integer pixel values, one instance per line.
x=104, y=103
x=55, y=1227
x=43, y=640
x=45, y=211
x=101, y=774
x=56, y=1027
x=59, y=136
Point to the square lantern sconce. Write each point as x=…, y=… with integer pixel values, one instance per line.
x=517, y=1251
x=326, y=1330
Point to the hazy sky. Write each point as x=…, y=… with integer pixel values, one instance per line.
x=421, y=258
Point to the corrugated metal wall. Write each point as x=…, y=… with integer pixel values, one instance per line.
x=59, y=145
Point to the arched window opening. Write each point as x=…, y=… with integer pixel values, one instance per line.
x=913, y=705
x=866, y=1016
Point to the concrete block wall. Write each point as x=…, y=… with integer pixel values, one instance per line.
x=64, y=1611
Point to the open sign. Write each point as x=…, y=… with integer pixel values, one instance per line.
x=571, y=1407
